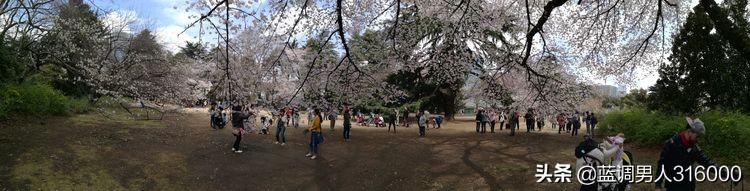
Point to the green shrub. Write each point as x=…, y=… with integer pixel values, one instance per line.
x=80, y=105
x=32, y=99
x=727, y=133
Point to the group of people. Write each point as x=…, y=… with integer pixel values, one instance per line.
x=682, y=149
x=572, y=122
x=243, y=120
x=396, y=117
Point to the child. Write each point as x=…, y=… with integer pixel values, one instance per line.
x=266, y=123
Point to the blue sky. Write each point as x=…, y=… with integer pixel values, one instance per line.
x=159, y=16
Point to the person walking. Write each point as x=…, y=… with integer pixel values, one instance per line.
x=281, y=124
x=238, y=129
x=422, y=123
x=682, y=150
x=315, y=134
x=347, y=123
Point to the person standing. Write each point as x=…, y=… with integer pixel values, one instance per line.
x=397, y=118
x=513, y=123
x=539, y=122
x=332, y=115
x=392, y=120
x=569, y=125
x=560, y=122
x=406, y=117
x=422, y=123
x=593, y=121
x=315, y=134
x=485, y=120
x=214, y=113
x=284, y=117
x=428, y=117
x=576, y=124
x=347, y=123
x=553, y=119
x=295, y=118
x=587, y=121
x=493, y=120
x=529, y=117
x=502, y=119
x=479, y=119
x=238, y=129
x=309, y=116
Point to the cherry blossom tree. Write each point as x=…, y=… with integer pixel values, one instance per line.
x=537, y=51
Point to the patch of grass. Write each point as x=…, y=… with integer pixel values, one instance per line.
x=40, y=170
x=114, y=119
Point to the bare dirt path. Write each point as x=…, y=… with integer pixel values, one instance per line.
x=185, y=154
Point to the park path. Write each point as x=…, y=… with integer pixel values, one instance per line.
x=187, y=155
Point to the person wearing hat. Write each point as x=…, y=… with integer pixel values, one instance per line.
x=682, y=150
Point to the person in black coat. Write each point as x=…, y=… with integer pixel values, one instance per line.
x=682, y=150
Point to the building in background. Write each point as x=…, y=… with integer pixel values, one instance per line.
x=609, y=90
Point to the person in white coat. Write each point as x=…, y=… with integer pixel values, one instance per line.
x=589, y=153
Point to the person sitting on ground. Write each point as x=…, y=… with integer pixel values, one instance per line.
x=378, y=121
x=360, y=119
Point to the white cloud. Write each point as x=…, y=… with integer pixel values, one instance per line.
x=168, y=37
x=179, y=16
x=121, y=20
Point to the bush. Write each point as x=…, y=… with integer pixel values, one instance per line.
x=727, y=133
x=34, y=99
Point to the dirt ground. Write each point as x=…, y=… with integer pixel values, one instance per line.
x=184, y=153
